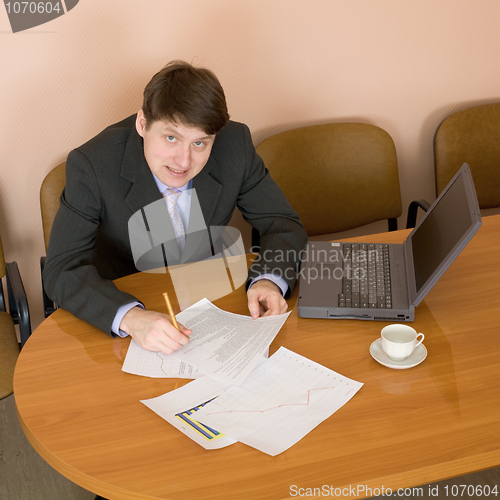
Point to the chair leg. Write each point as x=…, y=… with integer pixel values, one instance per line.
x=48, y=305
x=411, y=219
x=392, y=224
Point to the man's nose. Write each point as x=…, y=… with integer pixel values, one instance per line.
x=184, y=157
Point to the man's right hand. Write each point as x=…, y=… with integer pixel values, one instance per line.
x=154, y=331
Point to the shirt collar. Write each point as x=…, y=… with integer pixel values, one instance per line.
x=162, y=186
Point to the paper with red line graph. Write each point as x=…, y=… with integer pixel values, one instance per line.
x=280, y=402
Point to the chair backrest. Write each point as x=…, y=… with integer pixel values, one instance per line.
x=336, y=176
x=9, y=347
x=50, y=193
x=471, y=136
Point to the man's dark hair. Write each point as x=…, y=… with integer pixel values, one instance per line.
x=182, y=93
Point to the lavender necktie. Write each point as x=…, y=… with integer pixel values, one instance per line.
x=172, y=195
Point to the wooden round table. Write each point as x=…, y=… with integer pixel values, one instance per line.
x=404, y=427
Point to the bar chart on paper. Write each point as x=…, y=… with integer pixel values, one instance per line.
x=279, y=403
x=188, y=417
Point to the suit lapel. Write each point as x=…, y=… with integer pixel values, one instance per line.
x=197, y=238
x=208, y=190
x=136, y=170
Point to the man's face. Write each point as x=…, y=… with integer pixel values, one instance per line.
x=175, y=152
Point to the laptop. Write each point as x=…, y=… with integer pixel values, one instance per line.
x=371, y=281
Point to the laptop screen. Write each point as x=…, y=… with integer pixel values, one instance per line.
x=441, y=230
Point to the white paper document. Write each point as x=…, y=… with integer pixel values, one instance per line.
x=180, y=407
x=224, y=345
x=138, y=361
x=279, y=403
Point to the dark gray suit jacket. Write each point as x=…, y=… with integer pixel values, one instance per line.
x=108, y=180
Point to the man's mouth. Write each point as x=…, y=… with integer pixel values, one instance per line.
x=176, y=171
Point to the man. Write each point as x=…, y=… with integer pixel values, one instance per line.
x=181, y=139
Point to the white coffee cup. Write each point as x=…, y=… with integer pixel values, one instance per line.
x=399, y=341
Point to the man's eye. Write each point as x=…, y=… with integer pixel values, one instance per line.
x=170, y=138
x=199, y=144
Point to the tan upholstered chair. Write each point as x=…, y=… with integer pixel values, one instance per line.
x=50, y=193
x=471, y=136
x=336, y=176
x=19, y=313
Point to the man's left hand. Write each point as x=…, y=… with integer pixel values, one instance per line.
x=265, y=299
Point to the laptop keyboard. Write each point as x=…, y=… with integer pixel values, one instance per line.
x=366, y=281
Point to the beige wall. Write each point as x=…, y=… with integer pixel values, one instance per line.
x=403, y=65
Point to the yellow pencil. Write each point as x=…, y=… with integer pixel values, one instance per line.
x=170, y=310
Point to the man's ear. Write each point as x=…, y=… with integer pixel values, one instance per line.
x=140, y=123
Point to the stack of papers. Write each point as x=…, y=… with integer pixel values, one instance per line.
x=238, y=395
x=225, y=345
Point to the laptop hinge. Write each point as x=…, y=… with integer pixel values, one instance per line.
x=410, y=275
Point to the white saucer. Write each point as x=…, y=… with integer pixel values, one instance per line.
x=414, y=359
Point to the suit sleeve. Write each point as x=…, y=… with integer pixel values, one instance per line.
x=70, y=278
x=265, y=207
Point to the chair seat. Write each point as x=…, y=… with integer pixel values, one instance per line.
x=9, y=351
